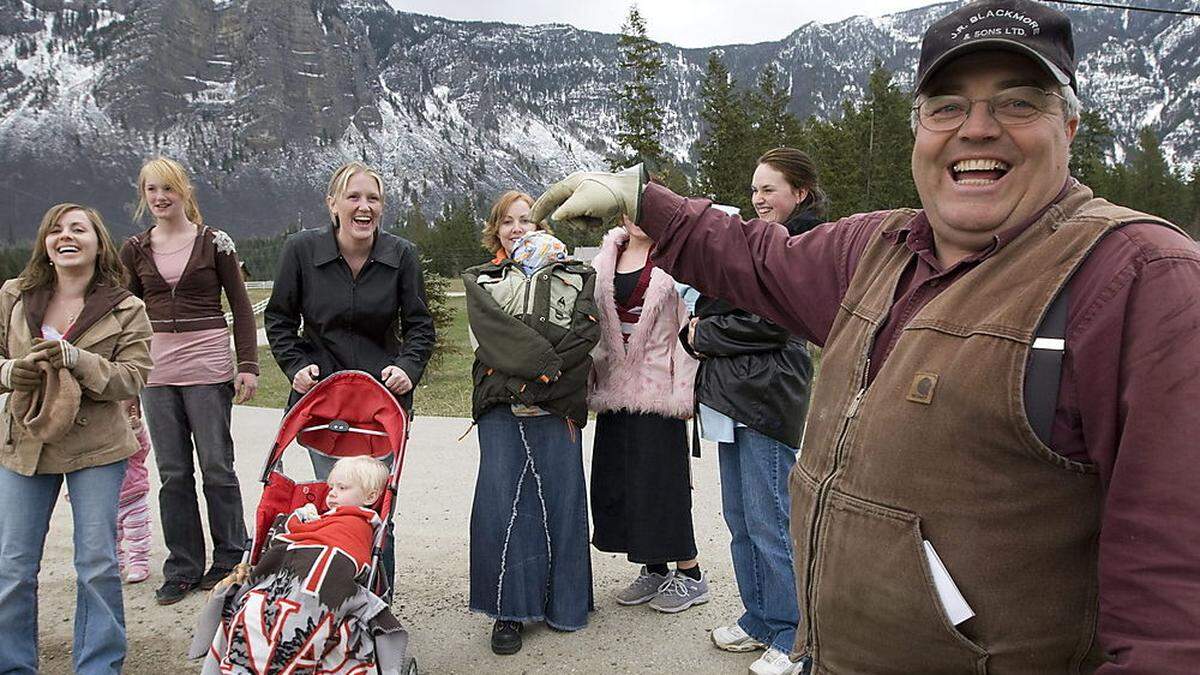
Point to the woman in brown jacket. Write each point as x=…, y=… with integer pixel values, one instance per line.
x=180, y=266
x=73, y=345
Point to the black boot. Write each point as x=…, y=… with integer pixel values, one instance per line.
x=506, y=637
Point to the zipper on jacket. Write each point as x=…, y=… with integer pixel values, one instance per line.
x=353, y=299
x=529, y=282
x=154, y=266
x=823, y=490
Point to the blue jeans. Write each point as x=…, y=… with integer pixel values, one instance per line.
x=26, y=503
x=754, y=497
x=530, y=559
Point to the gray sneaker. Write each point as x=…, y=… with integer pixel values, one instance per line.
x=643, y=589
x=679, y=592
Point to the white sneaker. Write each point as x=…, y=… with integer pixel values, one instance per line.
x=734, y=639
x=774, y=662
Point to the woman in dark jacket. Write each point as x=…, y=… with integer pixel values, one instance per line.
x=751, y=392
x=535, y=331
x=361, y=297
x=358, y=291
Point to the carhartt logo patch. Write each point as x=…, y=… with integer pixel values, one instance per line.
x=922, y=388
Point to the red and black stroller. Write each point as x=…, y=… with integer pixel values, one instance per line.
x=282, y=620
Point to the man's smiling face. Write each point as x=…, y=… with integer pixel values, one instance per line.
x=984, y=177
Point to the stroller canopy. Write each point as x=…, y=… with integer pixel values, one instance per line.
x=348, y=413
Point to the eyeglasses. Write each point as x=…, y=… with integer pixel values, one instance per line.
x=1011, y=108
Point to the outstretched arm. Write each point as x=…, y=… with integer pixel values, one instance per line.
x=797, y=282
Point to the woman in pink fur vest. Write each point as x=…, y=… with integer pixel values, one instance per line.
x=641, y=385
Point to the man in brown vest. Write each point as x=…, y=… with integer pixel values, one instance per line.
x=935, y=530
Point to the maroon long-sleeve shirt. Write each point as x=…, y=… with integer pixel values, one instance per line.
x=1129, y=400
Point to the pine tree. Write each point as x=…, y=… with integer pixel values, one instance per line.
x=1089, y=149
x=453, y=241
x=773, y=125
x=1192, y=223
x=437, y=288
x=412, y=223
x=1153, y=188
x=641, y=118
x=865, y=158
x=671, y=175
x=836, y=147
x=1118, y=185
x=888, y=180
x=725, y=158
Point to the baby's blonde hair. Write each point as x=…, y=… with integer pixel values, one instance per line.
x=369, y=473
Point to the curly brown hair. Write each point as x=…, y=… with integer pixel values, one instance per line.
x=39, y=273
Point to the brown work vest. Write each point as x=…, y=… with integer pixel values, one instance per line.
x=939, y=448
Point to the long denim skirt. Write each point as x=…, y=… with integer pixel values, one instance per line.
x=529, y=523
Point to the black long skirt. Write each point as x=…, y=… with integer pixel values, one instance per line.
x=641, y=488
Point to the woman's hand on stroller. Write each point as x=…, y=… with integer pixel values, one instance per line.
x=305, y=378
x=239, y=575
x=396, y=380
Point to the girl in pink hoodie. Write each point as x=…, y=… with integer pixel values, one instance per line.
x=133, y=510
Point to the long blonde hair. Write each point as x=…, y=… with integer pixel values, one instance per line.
x=171, y=173
x=39, y=273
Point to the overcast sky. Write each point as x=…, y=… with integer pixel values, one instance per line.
x=685, y=23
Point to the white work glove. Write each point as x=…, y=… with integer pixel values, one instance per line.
x=591, y=199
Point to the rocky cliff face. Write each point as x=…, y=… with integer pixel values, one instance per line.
x=262, y=98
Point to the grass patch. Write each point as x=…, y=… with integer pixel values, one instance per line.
x=273, y=387
x=444, y=391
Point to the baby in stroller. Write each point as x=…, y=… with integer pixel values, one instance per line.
x=304, y=606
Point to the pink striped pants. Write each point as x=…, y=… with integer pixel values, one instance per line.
x=133, y=537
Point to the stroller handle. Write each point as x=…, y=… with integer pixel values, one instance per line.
x=367, y=390
x=343, y=427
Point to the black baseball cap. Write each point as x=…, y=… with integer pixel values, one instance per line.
x=1022, y=26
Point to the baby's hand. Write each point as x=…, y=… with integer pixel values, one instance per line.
x=239, y=575
x=307, y=512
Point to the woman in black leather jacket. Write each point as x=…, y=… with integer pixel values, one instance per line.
x=752, y=393
x=359, y=294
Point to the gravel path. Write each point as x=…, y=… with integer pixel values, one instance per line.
x=431, y=578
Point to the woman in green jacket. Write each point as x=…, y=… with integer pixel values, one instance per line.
x=535, y=326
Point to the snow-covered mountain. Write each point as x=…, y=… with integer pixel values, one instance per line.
x=262, y=98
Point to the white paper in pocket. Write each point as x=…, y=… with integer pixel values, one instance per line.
x=953, y=602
